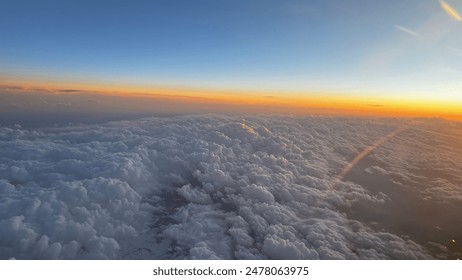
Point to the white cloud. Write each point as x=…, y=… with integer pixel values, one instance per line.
x=205, y=187
x=406, y=30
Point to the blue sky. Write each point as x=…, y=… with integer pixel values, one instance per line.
x=376, y=47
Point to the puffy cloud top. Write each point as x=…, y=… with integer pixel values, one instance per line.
x=206, y=187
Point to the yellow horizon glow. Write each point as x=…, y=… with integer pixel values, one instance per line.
x=298, y=103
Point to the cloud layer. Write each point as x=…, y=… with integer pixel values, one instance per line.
x=207, y=187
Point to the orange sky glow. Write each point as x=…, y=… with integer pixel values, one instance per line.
x=298, y=103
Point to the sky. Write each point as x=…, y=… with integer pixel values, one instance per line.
x=375, y=53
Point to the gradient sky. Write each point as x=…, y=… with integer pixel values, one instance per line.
x=397, y=49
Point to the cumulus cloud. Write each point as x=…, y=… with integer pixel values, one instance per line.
x=201, y=187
